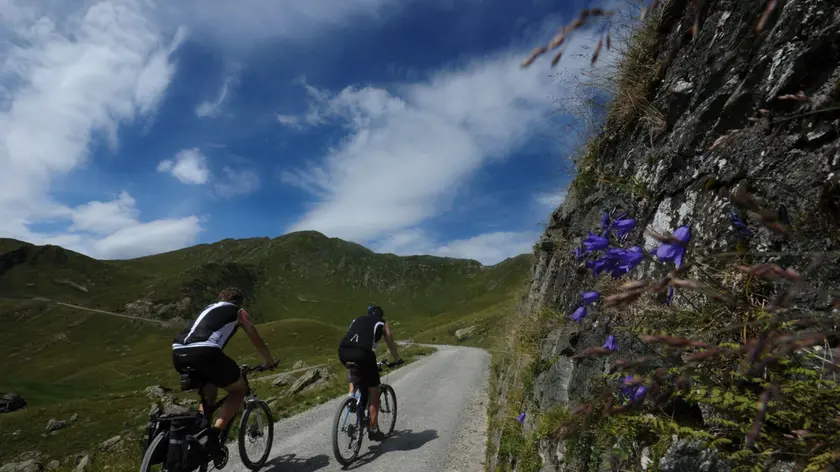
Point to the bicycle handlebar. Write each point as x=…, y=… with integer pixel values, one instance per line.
x=384, y=363
x=246, y=369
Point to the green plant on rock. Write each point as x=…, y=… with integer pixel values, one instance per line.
x=756, y=381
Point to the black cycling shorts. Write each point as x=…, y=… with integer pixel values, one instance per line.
x=366, y=372
x=212, y=366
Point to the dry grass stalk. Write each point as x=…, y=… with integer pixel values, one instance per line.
x=755, y=429
x=560, y=38
x=799, y=97
x=771, y=5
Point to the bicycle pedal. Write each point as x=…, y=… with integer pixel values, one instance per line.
x=222, y=459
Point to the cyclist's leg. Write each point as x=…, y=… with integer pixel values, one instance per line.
x=371, y=380
x=224, y=372
x=346, y=355
x=211, y=392
x=236, y=393
x=374, y=407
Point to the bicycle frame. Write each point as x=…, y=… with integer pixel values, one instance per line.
x=250, y=396
x=363, y=403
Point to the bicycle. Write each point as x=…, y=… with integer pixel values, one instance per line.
x=357, y=429
x=177, y=441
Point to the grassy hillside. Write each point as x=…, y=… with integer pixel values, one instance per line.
x=299, y=275
x=303, y=288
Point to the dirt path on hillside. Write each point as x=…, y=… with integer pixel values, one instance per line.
x=96, y=310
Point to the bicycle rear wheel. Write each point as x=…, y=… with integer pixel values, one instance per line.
x=387, y=409
x=251, y=434
x=346, y=432
x=155, y=457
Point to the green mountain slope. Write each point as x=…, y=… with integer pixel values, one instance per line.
x=303, y=288
x=299, y=275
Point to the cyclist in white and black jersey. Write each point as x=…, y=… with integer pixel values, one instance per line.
x=359, y=346
x=199, y=346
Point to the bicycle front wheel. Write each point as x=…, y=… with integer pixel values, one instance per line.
x=347, y=432
x=262, y=431
x=387, y=409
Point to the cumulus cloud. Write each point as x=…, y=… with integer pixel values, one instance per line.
x=67, y=77
x=189, y=166
x=105, y=217
x=487, y=248
x=148, y=238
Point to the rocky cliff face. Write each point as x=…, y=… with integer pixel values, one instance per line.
x=727, y=110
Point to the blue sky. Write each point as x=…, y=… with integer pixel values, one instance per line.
x=130, y=128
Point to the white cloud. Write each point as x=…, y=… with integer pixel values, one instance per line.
x=487, y=248
x=212, y=109
x=105, y=217
x=288, y=120
x=65, y=78
x=148, y=238
x=490, y=248
x=407, y=151
x=552, y=199
x=236, y=183
x=246, y=22
x=189, y=166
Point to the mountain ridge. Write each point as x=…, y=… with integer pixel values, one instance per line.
x=282, y=276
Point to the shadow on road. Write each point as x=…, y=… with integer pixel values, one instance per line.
x=291, y=463
x=405, y=440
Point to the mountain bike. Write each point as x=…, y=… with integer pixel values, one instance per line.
x=353, y=429
x=177, y=442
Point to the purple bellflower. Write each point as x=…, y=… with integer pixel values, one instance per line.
x=635, y=393
x=668, y=252
x=521, y=417
x=593, y=242
x=579, y=314
x=605, y=220
x=610, y=343
x=740, y=227
x=589, y=297
x=623, y=227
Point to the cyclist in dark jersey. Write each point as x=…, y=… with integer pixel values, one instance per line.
x=199, y=346
x=359, y=346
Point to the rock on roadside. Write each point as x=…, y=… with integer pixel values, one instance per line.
x=309, y=380
x=54, y=424
x=83, y=464
x=465, y=333
x=30, y=465
x=282, y=380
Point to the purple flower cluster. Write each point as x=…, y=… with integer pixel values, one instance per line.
x=634, y=393
x=615, y=260
x=741, y=229
x=674, y=252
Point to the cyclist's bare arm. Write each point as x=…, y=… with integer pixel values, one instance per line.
x=389, y=339
x=251, y=330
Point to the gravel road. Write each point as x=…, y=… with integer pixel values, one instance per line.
x=441, y=423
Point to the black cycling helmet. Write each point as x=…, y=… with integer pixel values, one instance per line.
x=376, y=310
